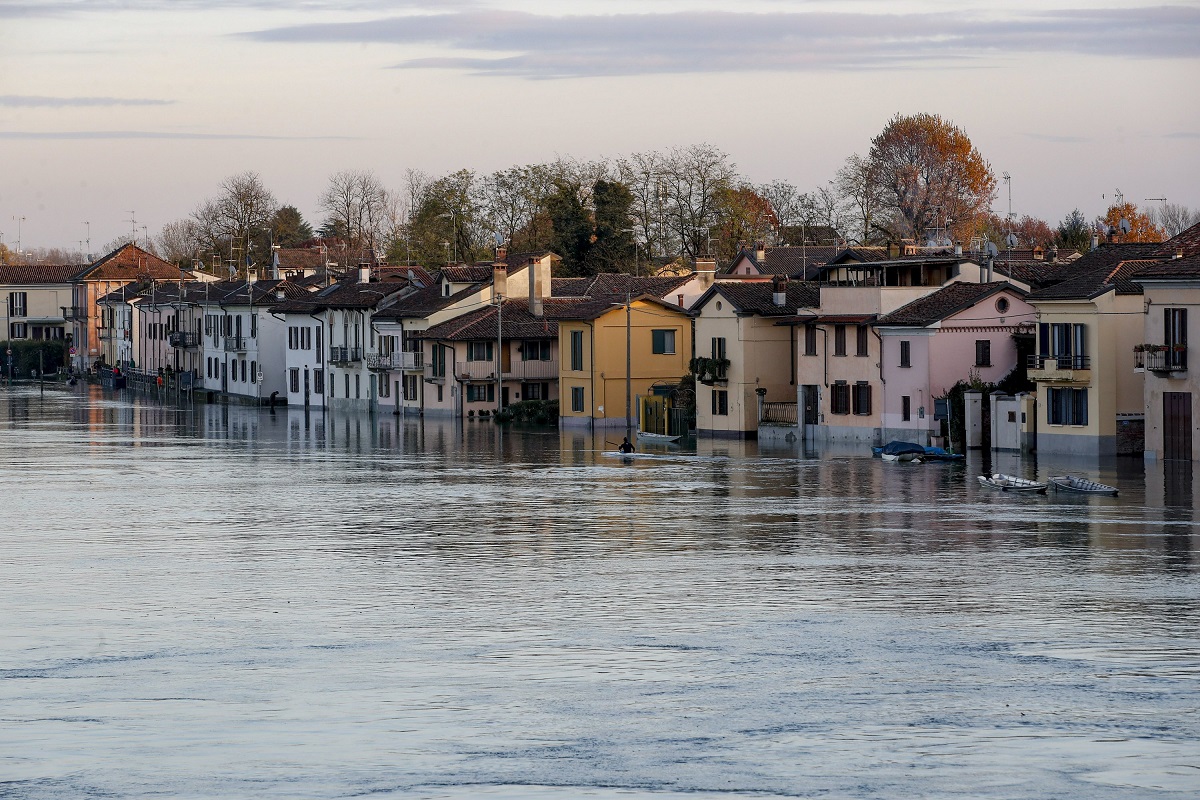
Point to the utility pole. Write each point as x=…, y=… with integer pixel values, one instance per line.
x=628, y=368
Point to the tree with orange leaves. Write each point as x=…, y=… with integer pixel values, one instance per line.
x=1141, y=227
x=929, y=173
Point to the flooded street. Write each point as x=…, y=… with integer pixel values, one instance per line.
x=229, y=602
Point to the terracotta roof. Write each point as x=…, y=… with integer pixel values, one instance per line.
x=1188, y=241
x=1034, y=273
x=758, y=297
x=794, y=262
x=401, y=272
x=301, y=258
x=423, y=302
x=587, y=308
x=130, y=262
x=1106, y=268
x=345, y=294
x=945, y=302
x=517, y=323
x=461, y=273
x=1180, y=268
x=33, y=274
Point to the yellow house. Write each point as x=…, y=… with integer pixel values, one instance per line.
x=1090, y=399
x=593, y=339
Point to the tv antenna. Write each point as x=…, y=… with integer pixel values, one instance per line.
x=132, y=227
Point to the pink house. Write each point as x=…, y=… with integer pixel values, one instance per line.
x=961, y=331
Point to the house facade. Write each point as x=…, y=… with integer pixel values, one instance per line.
x=33, y=298
x=743, y=357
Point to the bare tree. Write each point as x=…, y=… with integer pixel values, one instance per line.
x=696, y=177
x=858, y=187
x=177, y=242
x=356, y=205
x=237, y=221
x=1174, y=218
x=643, y=174
x=785, y=200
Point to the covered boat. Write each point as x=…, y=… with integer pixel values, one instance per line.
x=1072, y=483
x=901, y=451
x=1011, y=483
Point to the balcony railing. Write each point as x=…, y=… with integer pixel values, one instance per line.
x=431, y=376
x=1060, y=369
x=778, y=414
x=532, y=370
x=74, y=313
x=183, y=339
x=391, y=362
x=475, y=370
x=1167, y=360
x=235, y=344
x=112, y=334
x=345, y=355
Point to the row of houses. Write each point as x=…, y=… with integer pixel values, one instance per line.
x=850, y=344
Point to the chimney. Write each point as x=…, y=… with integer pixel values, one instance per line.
x=679, y=301
x=893, y=250
x=1095, y=240
x=706, y=270
x=779, y=290
x=535, y=288
x=1038, y=254
x=364, y=273
x=1178, y=252
x=760, y=251
x=958, y=249
x=499, y=279
x=1052, y=256
x=988, y=274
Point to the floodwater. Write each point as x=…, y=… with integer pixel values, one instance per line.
x=225, y=602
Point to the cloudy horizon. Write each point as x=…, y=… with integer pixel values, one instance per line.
x=141, y=107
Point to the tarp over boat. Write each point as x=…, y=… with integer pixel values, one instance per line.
x=901, y=448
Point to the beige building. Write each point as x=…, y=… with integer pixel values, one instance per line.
x=34, y=298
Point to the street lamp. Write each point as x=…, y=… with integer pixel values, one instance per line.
x=453, y=230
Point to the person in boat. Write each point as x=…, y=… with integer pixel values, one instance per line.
x=626, y=446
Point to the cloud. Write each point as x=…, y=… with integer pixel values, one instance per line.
x=63, y=8
x=76, y=135
x=498, y=42
x=42, y=101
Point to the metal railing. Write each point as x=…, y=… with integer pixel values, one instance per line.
x=475, y=370
x=235, y=344
x=345, y=355
x=74, y=313
x=1059, y=362
x=532, y=370
x=778, y=414
x=1170, y=359
x=396, y=361
x=183, y=339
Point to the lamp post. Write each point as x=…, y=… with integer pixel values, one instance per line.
x=453, y=230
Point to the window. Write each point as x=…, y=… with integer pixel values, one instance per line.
x=439, y=361
x=1063, y=344
x=243, y=362
x=294, y=379
x=839, y=340
x=1175, y=336
x=384, y=389
x=663, y=342
x=534, y=391
x=1002, y=305
x=332, y=384
x=357, y=386
x=863, y=333
x=862, y=398
x=720, y=403
x=293, y=338
x=320, y=353
x=810, y=340
x=254, y=372
x=577, y=351
x=410, y=387
x=319, y=380
x=480, y=351
x=346, y=375
x=481, y=392
x=535, y=351
x=208, y=372
x=839, y=398
x=254, y=326
x=905, y=353
x=905, y=408
x=577, y=398
x=18, y=304
x=17, y=330
x=440, y=387
x=983, y=353
x=1067, y=407
x=718, y=347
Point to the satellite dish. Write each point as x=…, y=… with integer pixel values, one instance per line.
x=1125, y=226
x=991, y=250
x=1011, y=239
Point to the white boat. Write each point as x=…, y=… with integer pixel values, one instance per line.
x=1073, y=483
x=913, y=457
x=1011, y=483
x=656, y=438
x=629, y=456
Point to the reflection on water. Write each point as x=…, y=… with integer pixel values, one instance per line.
x=221, y=601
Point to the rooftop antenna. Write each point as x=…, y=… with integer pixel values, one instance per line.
x=19, y=220
x=87, y=253
x=132, y=227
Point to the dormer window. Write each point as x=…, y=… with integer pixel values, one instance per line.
x=445, y=288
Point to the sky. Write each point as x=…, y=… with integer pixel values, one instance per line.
x=119, y=115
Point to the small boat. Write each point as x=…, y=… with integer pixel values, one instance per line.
x=1011, y=483
x=939, y=454
x=1072, y=483
x=656, y=438
x=904, y=458
x=630, y=456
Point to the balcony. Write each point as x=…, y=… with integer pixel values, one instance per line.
x=432, y=375
x=394, y=362
x=1162, y=360
x=532, y=370
x=183, y=339
x=1060, y=369
x=74, y=313
x=115, y=334
x=345, y=355
x=711, y=371
x=475, y=370
x=235, y=344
